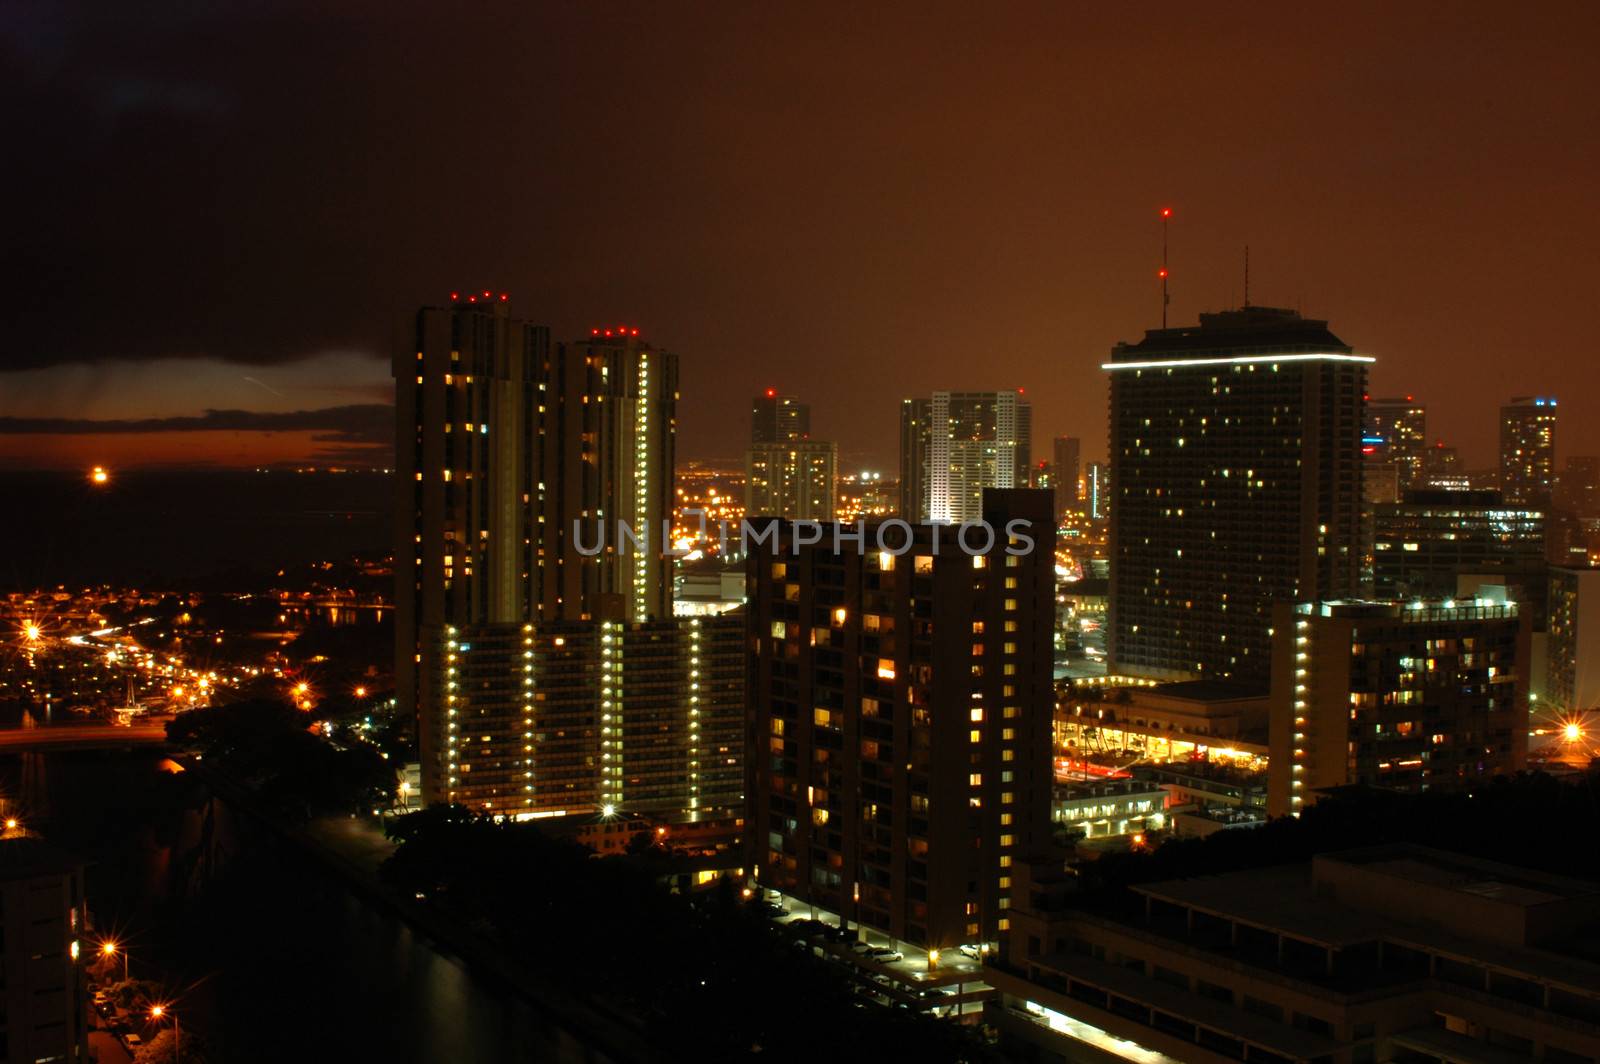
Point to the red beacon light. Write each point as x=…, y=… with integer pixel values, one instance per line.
x=504, y=297
x=455, y=297
x=1166, y=212
x=1162, y=273
x=636, y=332
x=772, y=393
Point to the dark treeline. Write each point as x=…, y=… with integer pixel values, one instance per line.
x=707, y=978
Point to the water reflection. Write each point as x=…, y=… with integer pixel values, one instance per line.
x=274, y=960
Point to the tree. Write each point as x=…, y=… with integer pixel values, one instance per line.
x=133, y=994
x=170, y=1048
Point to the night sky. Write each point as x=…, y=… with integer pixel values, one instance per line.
x=219, y=214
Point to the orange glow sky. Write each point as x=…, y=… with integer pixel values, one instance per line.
x=154, y=449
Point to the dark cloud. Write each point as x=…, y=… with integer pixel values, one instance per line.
x=357, y=425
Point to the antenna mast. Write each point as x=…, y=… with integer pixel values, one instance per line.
x=1166, y=216
x=1247, y=275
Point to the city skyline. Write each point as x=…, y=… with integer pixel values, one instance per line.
x=626, y=532
x=1041, y=260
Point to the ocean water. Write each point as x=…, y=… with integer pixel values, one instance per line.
x=181, y=531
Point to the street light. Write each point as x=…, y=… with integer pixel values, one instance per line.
x=109, y=948
x=156, y=1013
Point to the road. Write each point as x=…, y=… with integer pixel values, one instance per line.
x=105, y=1049
x=60, y=736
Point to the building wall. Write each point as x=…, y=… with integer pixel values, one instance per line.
x=1422, y=544
x=1236, y=483
x=505, y=445
x=798, y=481
x=1528, y=450
x=43, y=1015
x=1392, y=696
x=573, y=718
x=899, y=723
x=1572, y=681
x=1203, y=987
x=1067, y=468
x=955, y=445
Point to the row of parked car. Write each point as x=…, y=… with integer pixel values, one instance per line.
x=116, y=1025
x=817, y=929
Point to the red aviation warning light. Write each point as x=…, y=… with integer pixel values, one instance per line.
x=1166, y=300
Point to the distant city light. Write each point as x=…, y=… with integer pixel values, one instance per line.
x=99, y=475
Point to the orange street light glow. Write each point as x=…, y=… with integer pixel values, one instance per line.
x=1572, y=732
x=99, y=475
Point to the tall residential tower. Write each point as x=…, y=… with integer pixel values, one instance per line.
x=954, y=445
x=515, y=461
x=786, y=472
x=1528, y=450
x=1236, y=481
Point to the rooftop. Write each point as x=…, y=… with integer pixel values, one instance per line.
x=1246, y=330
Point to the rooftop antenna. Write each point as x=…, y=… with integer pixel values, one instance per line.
x=1247, y=275
x=1166, y=216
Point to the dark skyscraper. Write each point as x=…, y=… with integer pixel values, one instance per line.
x=778, y=418
x=900, y=720
x=505, y=444
x=1424, y=544
x=1236, y=478
x=1395, y=438
x=1067, y=452
x=1528, y=450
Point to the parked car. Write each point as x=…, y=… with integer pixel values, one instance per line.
x=809, y=928
x=862, y=947
x=972, y=951
x=133, y=1040
x=885, y=954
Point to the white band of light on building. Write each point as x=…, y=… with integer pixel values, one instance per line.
x=1173, y=363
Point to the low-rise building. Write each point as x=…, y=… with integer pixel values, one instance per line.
x=1109, y=808
x=1161, y=723
x=1396, y=953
